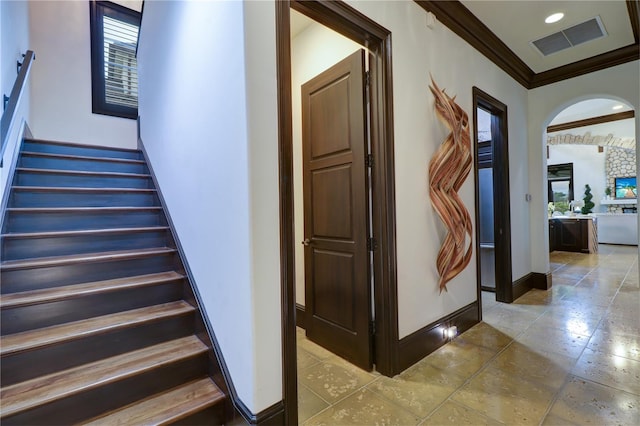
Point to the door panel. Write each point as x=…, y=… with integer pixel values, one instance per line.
x=337, y=289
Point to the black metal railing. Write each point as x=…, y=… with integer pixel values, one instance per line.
x=14, y=99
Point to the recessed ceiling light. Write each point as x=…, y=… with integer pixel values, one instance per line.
x=554, y=18
x=618, y=107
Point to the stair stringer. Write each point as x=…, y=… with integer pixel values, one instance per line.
x=204, y=330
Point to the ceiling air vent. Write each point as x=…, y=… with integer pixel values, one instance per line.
x=569, y=37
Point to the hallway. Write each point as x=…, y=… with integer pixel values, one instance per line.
x=570, y=355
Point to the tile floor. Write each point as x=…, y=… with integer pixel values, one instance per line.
x=570, y=355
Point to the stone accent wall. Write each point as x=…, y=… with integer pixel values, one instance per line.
x=619, y=162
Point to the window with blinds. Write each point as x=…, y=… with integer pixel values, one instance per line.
x=114, y=36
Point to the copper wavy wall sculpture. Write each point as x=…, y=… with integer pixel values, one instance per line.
x=448, y=169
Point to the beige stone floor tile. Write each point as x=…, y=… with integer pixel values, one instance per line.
x=558, y=341
x=628, y=314
x=486, y=336
x=584, y=326
x=463, y=360
x=590, y=296
x=615, y=323
x=334, y=381
x=452, y=413
x=598, y=286
x=577, y=308
x=608, y=276
x=582, y=402
x=544, y=368
x=625, y=345
x=573, y=271
x=314, y=349
x=512, y=317
x=610, y=370
x=627, y=302
x=305, y=359
x=363, y=408
x=505, y=397
x=537, y=297
x=309, y=404
x=559, y=290
x=420, y=389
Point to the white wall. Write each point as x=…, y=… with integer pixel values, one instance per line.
x=14, y=41
x=208, y=122
x=588, y=168
x=457, y=67
x=61, y=79
x=620, y=82
x=312, y=51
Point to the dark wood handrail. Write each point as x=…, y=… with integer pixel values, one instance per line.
x=16, y=92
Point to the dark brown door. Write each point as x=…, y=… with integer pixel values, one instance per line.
x=337, y=290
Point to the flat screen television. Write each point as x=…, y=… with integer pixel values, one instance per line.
x=626, y=187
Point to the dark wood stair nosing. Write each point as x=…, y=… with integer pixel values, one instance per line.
x=82, y=157
x=216, y=397
x=116, y=255
x=23, y=188
x=72, y=291
x=92, y=327
x=81, y=210
x=84, y=232
x=82, y=173
x=92, y=368
x=79, y=145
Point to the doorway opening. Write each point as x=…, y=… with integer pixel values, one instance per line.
x=493, y=223
x=346, y=21
x=591, y=143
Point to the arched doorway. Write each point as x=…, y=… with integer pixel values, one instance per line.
x=590, y=161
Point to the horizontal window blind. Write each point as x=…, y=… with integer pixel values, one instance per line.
x=120, y=65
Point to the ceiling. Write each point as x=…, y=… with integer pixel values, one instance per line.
x=503, y=32
x=616, y=21
x=517, y=23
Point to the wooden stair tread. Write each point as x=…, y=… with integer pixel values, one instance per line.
x=81, y=209
x=46, y=295
x=82, y=173
x=81, y=157
x=80, y=145
x=28, y=340
x=43, y=262
x=41, y=390
x=78, y=189
x=165, y=408
x=81, y=232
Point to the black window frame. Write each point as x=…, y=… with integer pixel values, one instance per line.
x=98, y=9
x=553, y=169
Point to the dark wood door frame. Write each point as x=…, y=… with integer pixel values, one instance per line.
x=352, y=24
x=501, y=200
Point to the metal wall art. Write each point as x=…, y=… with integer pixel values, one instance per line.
x=448, y=169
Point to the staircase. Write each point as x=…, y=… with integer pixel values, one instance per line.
x=99, y=324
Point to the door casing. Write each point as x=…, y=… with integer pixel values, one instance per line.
x=501, y=200
x=347, y=21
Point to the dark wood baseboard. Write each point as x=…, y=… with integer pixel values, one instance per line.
x=536, y=280
x=522, y=285
x=541, y=281
x=273, y=415
x=421, y=343
x=300, y=316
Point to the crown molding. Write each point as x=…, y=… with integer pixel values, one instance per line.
x=461, y=21
x=591, y=121
x=465, y=24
